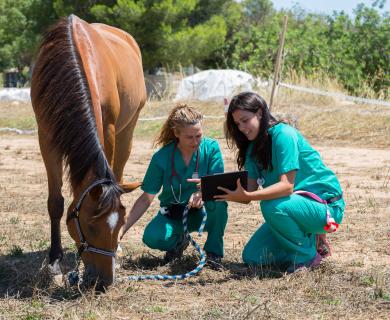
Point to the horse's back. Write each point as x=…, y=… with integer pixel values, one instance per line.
x=113, y=64
x=124, y=50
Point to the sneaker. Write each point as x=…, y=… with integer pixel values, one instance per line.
x=323, y=246
x=214, y=261
x=177, y=253
x=296, y=267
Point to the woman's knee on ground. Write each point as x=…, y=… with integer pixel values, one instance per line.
x=156, y=240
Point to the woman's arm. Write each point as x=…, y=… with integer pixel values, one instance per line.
x=139, y=208
x=283, y=188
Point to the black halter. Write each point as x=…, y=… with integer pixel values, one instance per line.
x=84, y=246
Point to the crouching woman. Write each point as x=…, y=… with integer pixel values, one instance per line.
x=184, y=155
x=300, y=197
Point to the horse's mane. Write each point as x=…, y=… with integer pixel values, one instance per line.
x=65, y=105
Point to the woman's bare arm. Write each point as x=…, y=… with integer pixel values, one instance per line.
x=139, y=208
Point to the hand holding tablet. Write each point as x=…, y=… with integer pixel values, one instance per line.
x=227, y=181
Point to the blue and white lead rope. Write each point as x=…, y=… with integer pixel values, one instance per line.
x=193, y=242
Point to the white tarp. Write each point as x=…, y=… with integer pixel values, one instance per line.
x=15, y=94
x=214, y=85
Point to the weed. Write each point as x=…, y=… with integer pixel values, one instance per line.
x=357, y=263
x=156, y=309
x=214, y=313
x=16, y=251
x=2, y=239
x=41, y=244
x=251, y=299
x=33, y=316
x=90, y=315
x=37, y=304
x=367, y=280
x=14, y=220
x=386, y=296
x=333, y=301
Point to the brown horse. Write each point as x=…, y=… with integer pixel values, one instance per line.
x=87, y=91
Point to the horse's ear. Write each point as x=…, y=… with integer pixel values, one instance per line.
x=128, y=187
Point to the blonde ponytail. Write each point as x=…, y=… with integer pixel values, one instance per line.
x=180, y=116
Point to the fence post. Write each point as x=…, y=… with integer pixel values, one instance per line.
x=278, y=62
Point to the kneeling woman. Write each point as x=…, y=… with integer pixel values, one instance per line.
x=300, y=197
x=184, y=155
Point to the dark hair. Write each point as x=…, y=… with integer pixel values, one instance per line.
x=262, y=148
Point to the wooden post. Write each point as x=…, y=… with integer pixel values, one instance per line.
x=278, y=62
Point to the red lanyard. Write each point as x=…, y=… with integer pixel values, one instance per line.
x=174, y=173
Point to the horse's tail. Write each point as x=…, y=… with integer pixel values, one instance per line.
x=62, y=100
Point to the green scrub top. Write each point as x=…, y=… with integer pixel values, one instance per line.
x=291, y=151
x=159, y=173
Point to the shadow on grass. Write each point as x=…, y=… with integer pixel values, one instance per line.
x=148, y=264
x=24, y=275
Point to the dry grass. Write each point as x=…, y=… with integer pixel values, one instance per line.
x=353, y=284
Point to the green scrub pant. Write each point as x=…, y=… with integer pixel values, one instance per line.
x=289, y=232
x=163, y=233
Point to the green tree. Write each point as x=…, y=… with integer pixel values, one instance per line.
x=371, y=39
x=169, y=32
x=21, y=23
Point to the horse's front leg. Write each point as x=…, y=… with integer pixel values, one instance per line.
x=55, y=201
x=123, y=146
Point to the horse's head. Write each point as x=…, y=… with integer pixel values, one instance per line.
x=94, y=222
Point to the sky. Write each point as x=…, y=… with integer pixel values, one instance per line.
x=326, y=6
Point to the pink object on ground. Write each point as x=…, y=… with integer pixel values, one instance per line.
x=323, y=246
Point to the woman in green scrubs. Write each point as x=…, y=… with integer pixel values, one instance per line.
x=184, y=156
x=300, y=198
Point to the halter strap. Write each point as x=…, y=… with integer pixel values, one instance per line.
x=85, y=192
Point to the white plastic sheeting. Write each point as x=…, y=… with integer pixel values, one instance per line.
x=15, y=94
x=214, y=85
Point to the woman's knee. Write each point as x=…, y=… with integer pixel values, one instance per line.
x=151, y=239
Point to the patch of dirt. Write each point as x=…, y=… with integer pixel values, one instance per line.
x=353, y=283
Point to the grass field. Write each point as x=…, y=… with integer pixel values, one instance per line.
x=352, y=284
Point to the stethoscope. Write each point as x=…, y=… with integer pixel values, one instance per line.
x=195, y=175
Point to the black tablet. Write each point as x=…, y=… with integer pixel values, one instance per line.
x=227, y=180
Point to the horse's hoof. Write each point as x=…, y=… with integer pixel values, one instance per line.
x=54, y=268
x=119, y=251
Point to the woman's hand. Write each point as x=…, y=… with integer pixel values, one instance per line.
x=197, y=181
x=195, y=200
x=238, y=195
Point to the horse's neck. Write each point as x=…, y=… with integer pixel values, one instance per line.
x=89, y=178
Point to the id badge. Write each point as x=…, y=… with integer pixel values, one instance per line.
x=260, y=181
x=195, y=175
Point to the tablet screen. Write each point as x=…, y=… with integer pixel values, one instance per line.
x=227, y=180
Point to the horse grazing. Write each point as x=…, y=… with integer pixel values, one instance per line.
x=87, y=91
